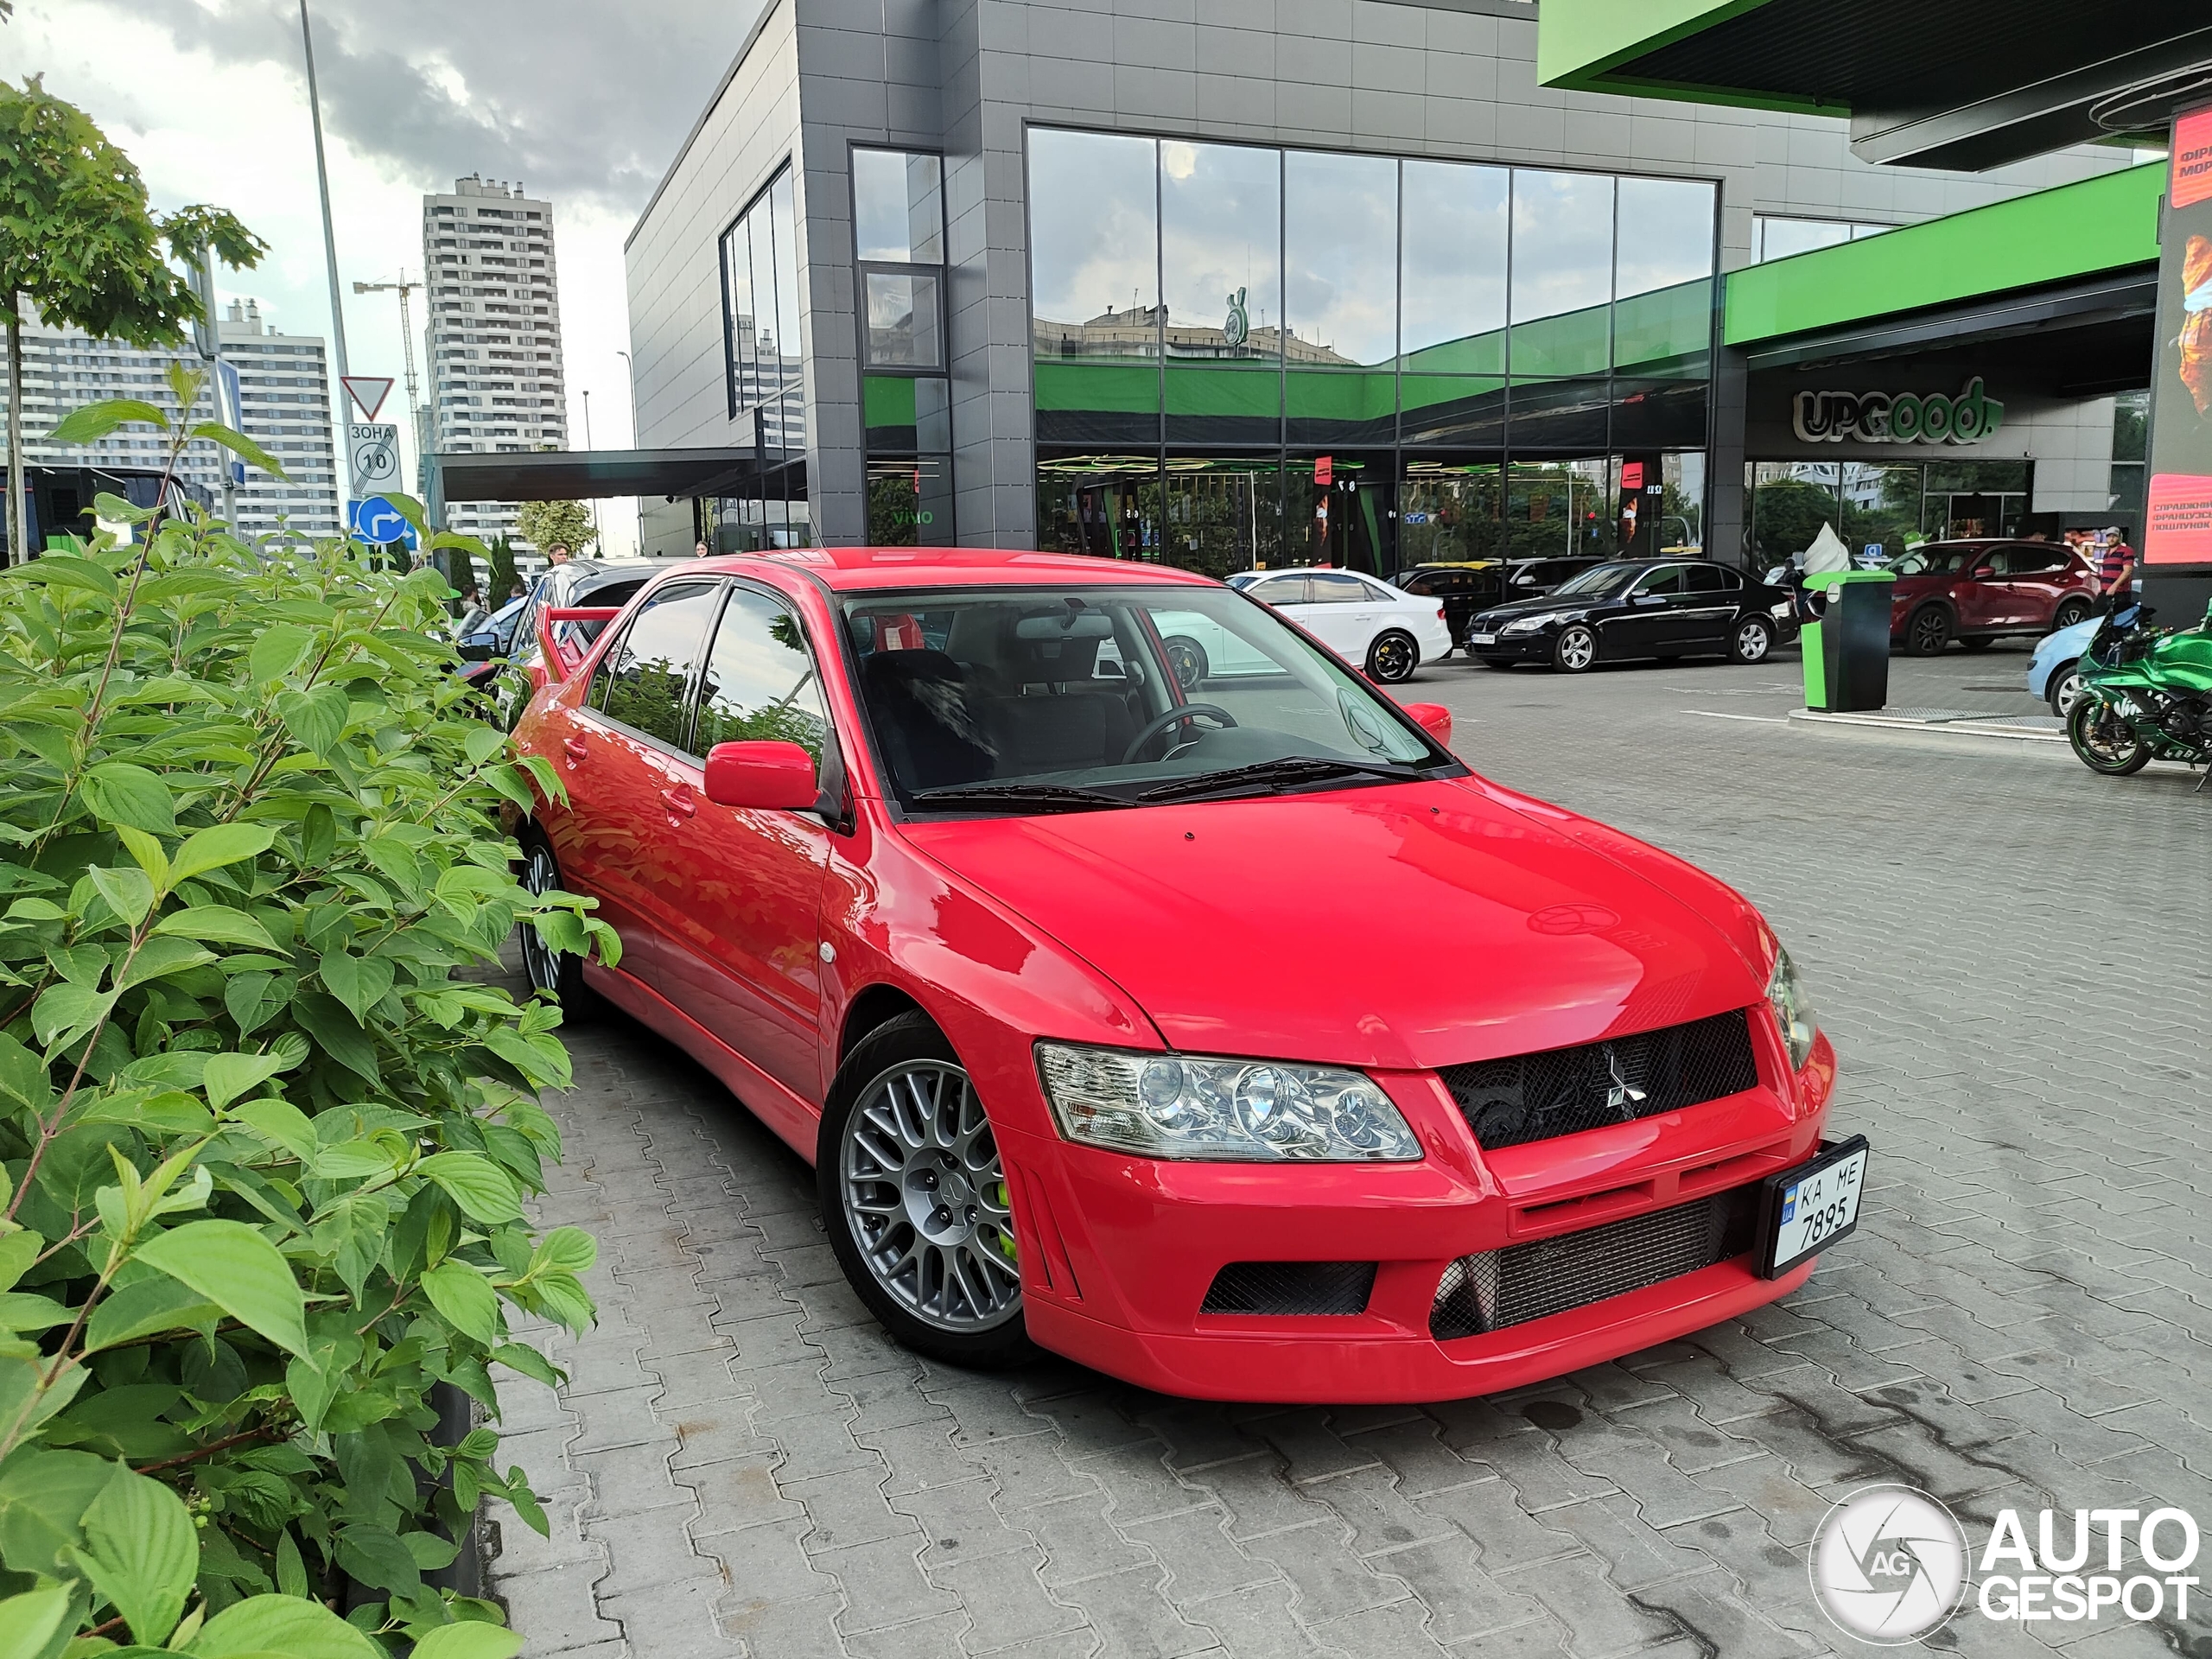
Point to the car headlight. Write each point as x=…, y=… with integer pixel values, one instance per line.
x=1531, y=624
x=1220, y=1110
x=1793, y=1009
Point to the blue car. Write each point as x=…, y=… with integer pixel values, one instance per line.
x=2053, y=670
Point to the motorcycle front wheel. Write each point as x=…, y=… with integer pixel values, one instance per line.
x=2105, y=742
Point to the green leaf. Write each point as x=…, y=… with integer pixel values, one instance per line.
x=160, y=958
x=98, y=420
x=65, y=1013
x=23, y=1078
x=66, y=570
x=280, y=1124
x=480, y=1187
x=465, y=1297
x=431, y=1552
x=291, y=1571
x=360, y=982
x=17, y=1250
x=118, y=793
x=240, y=1271
x=328, y=1021
x=470, y=1639
x=569, y=1248
x=377, y=1558
x=142, y=1553
x=20, y=1311
x=229, y=1076
x=30, y=1623
x=129, y=893
x=220, y=844
x=284, y=1625
x=148, y=1308
x=278, y=651
x=241, y=445
x=43, y=1497
x=218, y=925
x=315, y=719
x=522, y=1358
x=147, y=850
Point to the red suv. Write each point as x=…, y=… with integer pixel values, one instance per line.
x=1230, y=1037
x=1978, y=591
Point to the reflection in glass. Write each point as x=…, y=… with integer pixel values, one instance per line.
x=1235, y=400
x=1662, y=311
x=1107, y=505
x=1338, y=523
x=1221, y=230
x=1453, y=270
x=652, y=665
x=1562, y=272
x=1223, y=515
x=1094, y=246
x=1658, y=414
x=1558, y=509
x=787, y=430
x=1340, y=406
x=760, y=684
x=902, y=320
x=1682, y=500
x=1449, y=512
x=1340, y=214
x=1559, y=414
x=898, y=208
x=1462, y=411
x=910, y=502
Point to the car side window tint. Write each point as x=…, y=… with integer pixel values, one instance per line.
x=760, y=682
x=657, y=662
x=1280, y=591
x=1336, y=588
x=1428, y=581
x=1703, y=578
x=1666, y=581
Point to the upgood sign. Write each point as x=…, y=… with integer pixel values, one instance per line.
x=1897, y=417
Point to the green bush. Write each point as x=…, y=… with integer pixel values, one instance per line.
x=261, y=1153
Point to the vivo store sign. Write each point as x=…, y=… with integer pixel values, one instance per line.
x=1897, y=417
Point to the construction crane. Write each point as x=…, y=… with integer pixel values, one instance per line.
x=404, y=287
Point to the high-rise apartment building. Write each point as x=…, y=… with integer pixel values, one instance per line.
x=285, y=406
x=493, y=341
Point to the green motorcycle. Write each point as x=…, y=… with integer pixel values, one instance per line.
x=2146, y=695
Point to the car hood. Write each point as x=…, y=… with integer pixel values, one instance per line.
x=1401, y=925
x=1513, y=607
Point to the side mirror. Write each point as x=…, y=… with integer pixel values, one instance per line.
x=478, y=647
x=1432, y=718
x=774, y=776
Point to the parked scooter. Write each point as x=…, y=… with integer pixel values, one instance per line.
x=2146, y=694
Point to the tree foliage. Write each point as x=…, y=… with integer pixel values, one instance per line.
x=263, y=1144
x=543, y=522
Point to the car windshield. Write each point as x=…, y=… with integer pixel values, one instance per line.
x=1597, y=582
x=1934, y=559
x=1036, y=700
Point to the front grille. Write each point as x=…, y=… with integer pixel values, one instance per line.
x=1521, y=1282
x=1526, y=1097
x=1281, y=1288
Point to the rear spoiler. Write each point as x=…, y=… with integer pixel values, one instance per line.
x=563, y=657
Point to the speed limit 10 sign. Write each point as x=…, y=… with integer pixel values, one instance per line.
x=373, y=453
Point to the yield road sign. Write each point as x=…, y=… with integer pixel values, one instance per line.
x=373, y=453
x=376, y=522
x=368, y=392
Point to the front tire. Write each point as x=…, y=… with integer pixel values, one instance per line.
x=915, y=1201
x=1392, y=658
x=555, y=976
x=1188, y=659
x=2064, y=690
x=1753, y=640
x=2104, y=742
x=1927, y=632
x=1575, y=649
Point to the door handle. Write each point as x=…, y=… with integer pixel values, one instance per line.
x=680, y=801
x=577, y=749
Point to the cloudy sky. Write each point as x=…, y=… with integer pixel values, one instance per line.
x=582, y=101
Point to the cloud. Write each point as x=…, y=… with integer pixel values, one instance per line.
x=580, y=101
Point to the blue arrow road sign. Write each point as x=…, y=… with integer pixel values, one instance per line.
x=376, y=522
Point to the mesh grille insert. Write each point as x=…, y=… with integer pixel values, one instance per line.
x=1524, y=1097
x=1521, y=1282
x=1290, y=1288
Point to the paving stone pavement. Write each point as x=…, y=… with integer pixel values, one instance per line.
x=2012, y=957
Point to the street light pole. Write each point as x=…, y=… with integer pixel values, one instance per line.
x=595, y=505
x=330, y=257
x=404, y=287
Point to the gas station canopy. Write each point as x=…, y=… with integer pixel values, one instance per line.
x=594, y=475
x=1964, y=84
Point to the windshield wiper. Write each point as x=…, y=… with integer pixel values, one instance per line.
x=1035, y=798
x=1267, y=775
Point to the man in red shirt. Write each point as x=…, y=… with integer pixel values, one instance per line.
x=2116, y=569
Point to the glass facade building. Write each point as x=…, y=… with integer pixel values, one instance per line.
x=1251, y=355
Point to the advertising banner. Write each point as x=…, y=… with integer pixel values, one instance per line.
x=2177, y=521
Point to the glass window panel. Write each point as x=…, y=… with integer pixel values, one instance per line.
x=902, y=320
x=1655, y=414
x=1682, y=500
x=1665, y=234
x=1341, y=523
x=2129, y=418
x=1559, y=414
x=910, y=502
x=1461, y=411
x=1339, y=406
x=1094, y=241
x=1558, y=509
x=787, y=295
x=1777, y=238
x=1280, y=591
x=1229, y=401
x=760, y=683
x=888, y=406
x=1448, y=511
x=1095, y=402
x=1562, y=272
x=1221, y=250
x=768, y=338
x=738, y=324
x=933, y=416
x=1453, y=268
x=1224, y=514
x=1101, y=503
x=898, y=208
x=1666, y=580
x=657, y=661
x=1340, y=223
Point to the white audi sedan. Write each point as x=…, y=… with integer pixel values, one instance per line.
x=1371, y=625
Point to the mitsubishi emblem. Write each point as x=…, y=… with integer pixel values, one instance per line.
x=1623, y=1098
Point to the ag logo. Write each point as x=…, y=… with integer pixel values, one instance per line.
x=1889, y=1565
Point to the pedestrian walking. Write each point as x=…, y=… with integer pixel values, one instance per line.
x=2116, y=569
x=474, y=616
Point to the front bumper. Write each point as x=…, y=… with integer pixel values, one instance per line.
x=1118, y=1253
x=1515, y=647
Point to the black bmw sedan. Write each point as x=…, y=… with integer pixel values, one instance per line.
x=1631, y=608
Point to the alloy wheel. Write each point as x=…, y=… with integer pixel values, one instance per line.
x=1753, y=640
x=926, y=1199
x=1577, y=649
x=2069, y=613
x=1931, y=632
x=1393, y=659
x=541, y=876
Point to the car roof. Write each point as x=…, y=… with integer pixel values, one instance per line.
x=858, y=570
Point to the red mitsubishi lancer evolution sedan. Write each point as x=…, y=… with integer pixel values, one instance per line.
x=1231, y=1036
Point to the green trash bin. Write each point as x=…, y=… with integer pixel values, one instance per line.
x=1847, y=651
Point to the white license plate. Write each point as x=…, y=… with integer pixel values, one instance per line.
x=1812, y=1206
x=1482, y=639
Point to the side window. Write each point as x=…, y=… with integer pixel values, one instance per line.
x=1335, y=587
x=760, y=681
x=1666, y=580
x=1730, y=579
x=1428, y=581
x=656, y=661
x=1703, y=578
x=1280, y=591
x=2030, y=561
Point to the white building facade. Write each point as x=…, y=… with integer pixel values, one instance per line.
x=493, y=339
